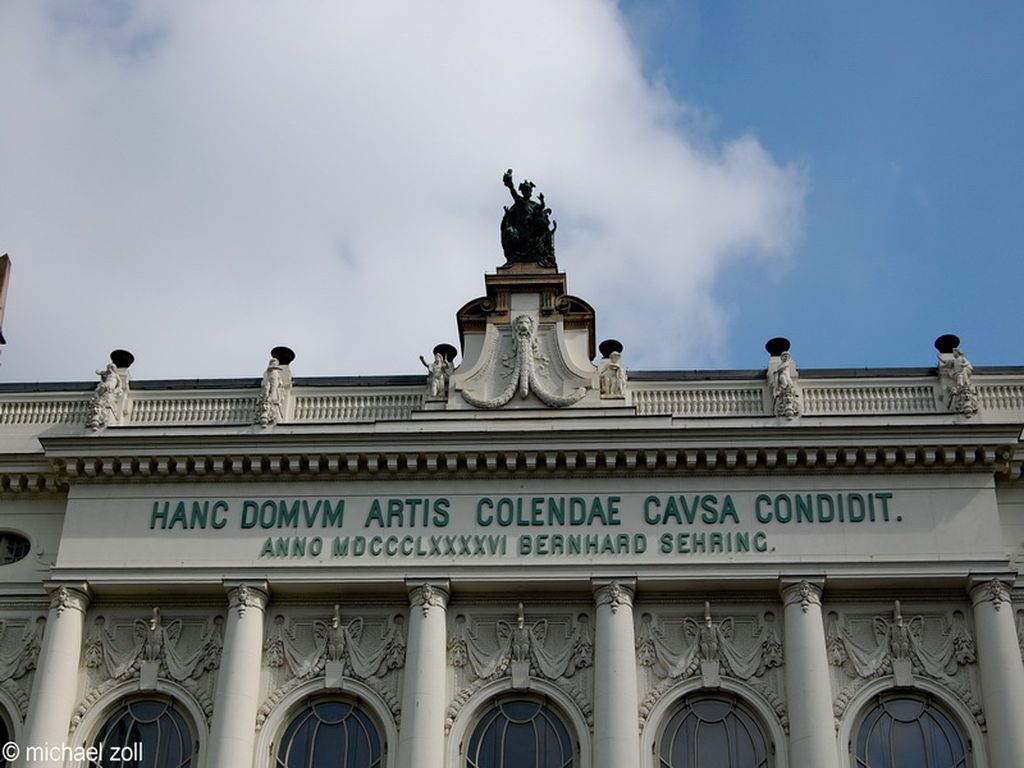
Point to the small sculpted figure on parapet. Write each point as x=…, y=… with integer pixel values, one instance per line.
x=527, y=232
x=611, y=370
x=272, y=400
x=782, y=379
x=109, y=399
x=439, y=371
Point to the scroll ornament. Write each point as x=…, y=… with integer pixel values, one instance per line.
x=526, y=361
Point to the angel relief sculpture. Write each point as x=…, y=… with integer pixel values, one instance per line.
x=335, y=641
x=19, y=660
x=900, y=648
x=709, y=647
x=155, y=642
x=522, y=649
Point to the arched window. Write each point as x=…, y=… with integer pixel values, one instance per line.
x=5, y=736
x=331, y=733
x=908, y=730
x=712, y=731
x=146, y=733
x=520, y=732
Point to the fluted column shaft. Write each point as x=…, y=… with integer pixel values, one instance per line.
x=56, y=679
x=233, y=732
x=1002, y=673
x=421, y=737
x=616, y=703
x=812, y=734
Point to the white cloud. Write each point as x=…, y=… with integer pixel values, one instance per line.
x=198, y=182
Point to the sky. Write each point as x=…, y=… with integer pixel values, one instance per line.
x=200, y=182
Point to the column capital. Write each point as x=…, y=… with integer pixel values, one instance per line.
x=65, y=597
x=429, y=594
x=805, y=592
x=247, y=595
x=990, y=590
x=615, y=593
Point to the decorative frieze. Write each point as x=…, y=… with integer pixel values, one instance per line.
x=185, y=650
x=936, y=646
x=20, y=642
x=369, y=648
x=671, y=648
x=556, y=648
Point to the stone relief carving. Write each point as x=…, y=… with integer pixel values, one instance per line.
x=1020, y=631
x=272, y=401
x=367, y=649
x=994, y=591
x=670, y=649
x=557, y=649
x=525, y=363
x=109, y=403
x=19, y=654
x=782, y=382
x=867, y=647
x=184, y=650
x=955, y=374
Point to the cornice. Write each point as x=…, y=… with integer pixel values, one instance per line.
x=70, y=461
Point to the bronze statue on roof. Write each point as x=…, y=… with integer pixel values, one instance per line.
x=527, y=232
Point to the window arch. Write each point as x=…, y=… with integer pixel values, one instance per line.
x=520, y=731
x=5, y=736
x=905, y=728
x=331, y=733
x=713, y=731
x=146, y=733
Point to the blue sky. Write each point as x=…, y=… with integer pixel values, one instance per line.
x=908, y=119
x=200, y=182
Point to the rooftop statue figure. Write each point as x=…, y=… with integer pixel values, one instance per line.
x=527, y=232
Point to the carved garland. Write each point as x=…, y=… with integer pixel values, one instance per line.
x=522, y=650
x=334, y=647
x=709, y=649
x=900, y=650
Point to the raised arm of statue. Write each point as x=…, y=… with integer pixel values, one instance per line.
x=507, y=181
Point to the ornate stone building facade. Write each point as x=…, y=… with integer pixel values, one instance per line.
x=523, y=555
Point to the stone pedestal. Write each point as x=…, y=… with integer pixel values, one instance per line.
x=1002, y=673
x=55, y=687
x=616, y=704
x=421, y=736
x=812, y=733
x=233, y=732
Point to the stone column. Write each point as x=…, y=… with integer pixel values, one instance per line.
x=1002, y=673
x=233, y=732
x=616, y=701
x=55, y=687
x=424, y=686
x=812, y=732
